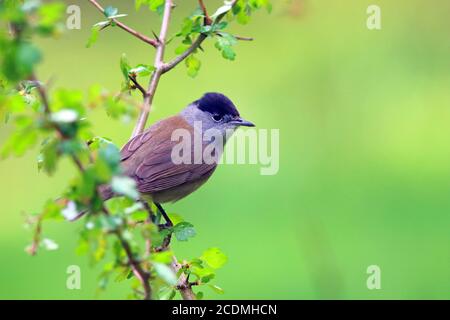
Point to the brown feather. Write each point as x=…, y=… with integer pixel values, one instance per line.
x=147, y=159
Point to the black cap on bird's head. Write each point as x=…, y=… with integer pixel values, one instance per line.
x=221, y=107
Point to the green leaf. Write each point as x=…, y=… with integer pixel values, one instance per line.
x=175, y=218
x=199, y=295
x=216, y=289
x=102, y=24
x=95, y=31
x=19, y=60
x=167, y=293
x=153, y=5
x=214, y=257
x=123, y=275
x=110, y=11
x=125, y=186
x=50, y=13
x=48, y=157
x=141, y=70
x=162, y=257
x=124, y=66
x=183, y=231
x=222, y=10
x=224, y=43
x=139, y=216
x=208, y=278
x=24, y=138
x=109, y=153
x=165, y=273
x=186, y=27
x=118, y=16
x=52, y=211
x=193, y=65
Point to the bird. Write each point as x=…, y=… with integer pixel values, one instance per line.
x=147, y=157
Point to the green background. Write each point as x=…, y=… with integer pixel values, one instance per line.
x=364, y=173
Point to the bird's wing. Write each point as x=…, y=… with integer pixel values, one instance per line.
x=147, y=158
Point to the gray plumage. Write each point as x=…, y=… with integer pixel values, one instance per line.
x=147, y=157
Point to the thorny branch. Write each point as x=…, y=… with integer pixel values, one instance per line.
x=123, y=26
x=156, y=75
x=183, y=285
x=135, y=265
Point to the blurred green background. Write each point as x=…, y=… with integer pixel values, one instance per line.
x=364, y=173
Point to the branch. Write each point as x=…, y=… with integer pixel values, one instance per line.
x=137, y=85
x=183, y=284
x=156, y=75
x=140, y=274
x=33, y=248
x=207, y=20
x=123, y=26
x=173, y=63
x=244, y=38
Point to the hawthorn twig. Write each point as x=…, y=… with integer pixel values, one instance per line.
x=207, y=20
x=196, y=44
x=140, y=274
x=138, y=85
x=156, y=75
x=244, y=38
x=123, y=26
x=161, y=67
x=33, y=248
x=183, y=285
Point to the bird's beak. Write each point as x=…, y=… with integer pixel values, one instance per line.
x=241, y=122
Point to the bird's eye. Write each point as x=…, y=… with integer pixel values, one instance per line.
x=217, y=117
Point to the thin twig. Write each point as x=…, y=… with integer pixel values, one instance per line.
x=207, y=20
x=183, y=284
x=244, y=38
x=140, y=274
x=175, y=61
x=33, y=248
x=196, y=44
x=138, y=85
x=156, y=75
x=123, y=26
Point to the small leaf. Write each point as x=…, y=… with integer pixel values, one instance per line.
x=199, y=295
x=175, y=218
x=214, y=258
x=165, y=273
x=167, y=293
x=162, y=257
x=224, y=43
x=222, y=10
x=125, y=186
x=95, y=31
x=124, y=66
x=110, y=11
x=102, y=24
x=139, y=216
x=183, y=231
x=216, y=289
x=118, y=16
x=141, y=70
x=193, y=65
x=48, y=157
